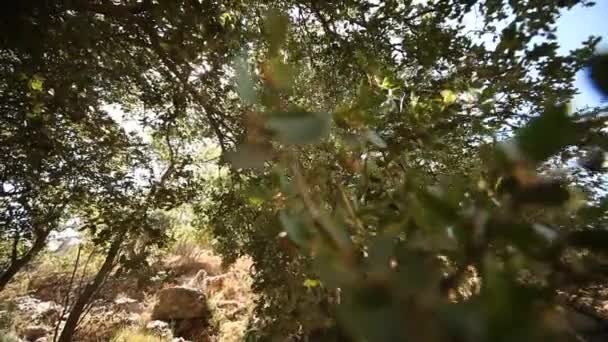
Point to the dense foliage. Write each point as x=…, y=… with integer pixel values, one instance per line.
x=374, y=154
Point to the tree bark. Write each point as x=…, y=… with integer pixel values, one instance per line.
x=85, y=297
x=18, y=263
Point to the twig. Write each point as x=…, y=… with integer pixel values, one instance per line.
x=350, y=209
x=84, y=270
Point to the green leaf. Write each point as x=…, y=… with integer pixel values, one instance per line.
x=595, y=240
x=255, y=201
x=281, y=73
x=248, y=157
x=546, y=135
x=388, y=83
x=245, y=84
x=225, y=17
x=311, y=283
x=370, y=313
x=36, y=83
x=448, y=96
x=375, y=139
x=441, y=208
x=295, y=228
x=165, y=46
x=380, y=251
x=599, y=72
x=544, y=192
x=524, y=236
x=276, y=26
x=331, y=270
x=298, y=127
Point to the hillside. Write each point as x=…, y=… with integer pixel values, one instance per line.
x=123, y=310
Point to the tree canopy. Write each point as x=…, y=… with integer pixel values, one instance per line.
x=374, y=154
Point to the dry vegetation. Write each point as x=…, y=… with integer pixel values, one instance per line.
x=122, y=310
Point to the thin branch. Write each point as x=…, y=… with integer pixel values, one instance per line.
x=84, y=270
x=202, y=99
x=66, y=298
x=349, y=208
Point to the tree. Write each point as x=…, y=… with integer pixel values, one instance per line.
x=347, y=112
x=62, y=63
x=416, y=101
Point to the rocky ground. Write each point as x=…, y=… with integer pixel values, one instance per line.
x=188, y=297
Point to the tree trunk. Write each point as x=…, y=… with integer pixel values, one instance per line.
x=83, y=299
x=18, y=263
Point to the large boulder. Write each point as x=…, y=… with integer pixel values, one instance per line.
x=176, y=303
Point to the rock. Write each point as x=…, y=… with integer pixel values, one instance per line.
x=35, y=332
x=184, y=327
x=178, y=302
x=128, y=305
x=215, y=283
x=159, y=328
x=39, y=311
x=133, y=318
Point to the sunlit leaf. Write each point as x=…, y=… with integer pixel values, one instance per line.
x=225, y=17
x=255, y=200
x=36, y=83
x=388, y=83
x=448, y=96
x=311, y=283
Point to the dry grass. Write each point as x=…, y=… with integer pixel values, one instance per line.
x=137, y=335
x=47, y=277
x=8, y=337
x=188, y=258
x=232, y=301
x=227, y=290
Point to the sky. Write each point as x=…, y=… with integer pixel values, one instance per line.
x=573, y=28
